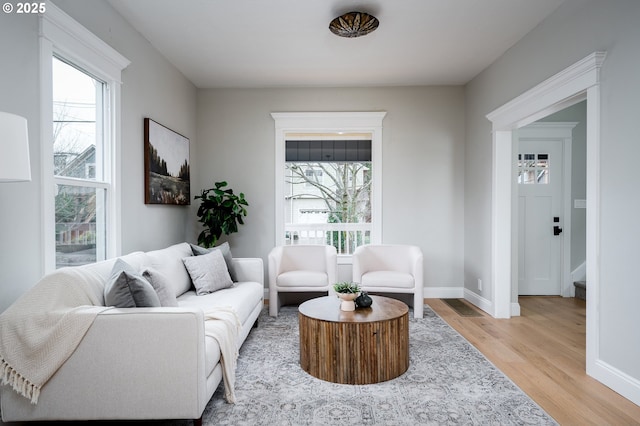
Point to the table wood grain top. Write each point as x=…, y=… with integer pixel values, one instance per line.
x=327, y=308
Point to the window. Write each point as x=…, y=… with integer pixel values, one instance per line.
x=80, y=81
x=329, y=177
x=533, y=169
x=328, y=180
x=83, y=186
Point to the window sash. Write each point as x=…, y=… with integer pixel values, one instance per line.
x=65, y=38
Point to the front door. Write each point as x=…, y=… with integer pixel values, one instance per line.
x=540, y=236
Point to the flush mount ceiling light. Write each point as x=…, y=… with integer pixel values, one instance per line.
x=353, y=24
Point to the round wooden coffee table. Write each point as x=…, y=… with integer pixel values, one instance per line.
x=368, y=345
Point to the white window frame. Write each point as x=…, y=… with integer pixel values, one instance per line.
x=330, y=122
x=62, y=36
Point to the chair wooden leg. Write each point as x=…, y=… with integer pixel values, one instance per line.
x=197, y=422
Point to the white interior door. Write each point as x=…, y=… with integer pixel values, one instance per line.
x=540, y=208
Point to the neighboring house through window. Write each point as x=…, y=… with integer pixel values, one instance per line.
x=328, y=175
x=80, y=78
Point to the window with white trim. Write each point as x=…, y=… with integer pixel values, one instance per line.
x=83, y=184
x=80, y=83
x=335, y=127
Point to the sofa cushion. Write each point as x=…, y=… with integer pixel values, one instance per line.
x=168, y=261
x=162, y=287
x=226, y=253
x=127, y=289
x=242, y=297
x=208, y=272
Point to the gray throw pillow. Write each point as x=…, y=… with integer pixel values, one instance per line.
x=208, y=272
x=127, y=289
x=162, y=287
x=226, y=253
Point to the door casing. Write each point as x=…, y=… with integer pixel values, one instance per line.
x=578, y=82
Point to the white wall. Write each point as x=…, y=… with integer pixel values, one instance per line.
x=423, y=137
x=576, y=29
x=152, y=87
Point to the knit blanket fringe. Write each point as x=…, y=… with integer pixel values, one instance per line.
x=19, y=383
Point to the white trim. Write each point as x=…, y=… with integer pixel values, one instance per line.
x=565, y=88
x=554, y=94
x=625, y=385
x=501, y=223
x=78, y=44
x=330, y=122
x=443, y=292
x=478, y=301
x=62, y=35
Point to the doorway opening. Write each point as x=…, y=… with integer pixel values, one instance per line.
x=577, y=83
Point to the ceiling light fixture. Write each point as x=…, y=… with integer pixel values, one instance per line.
x=353, y=24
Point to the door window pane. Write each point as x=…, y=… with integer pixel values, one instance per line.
x=533, y=169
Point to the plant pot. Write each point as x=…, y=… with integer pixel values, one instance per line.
x=348, y=301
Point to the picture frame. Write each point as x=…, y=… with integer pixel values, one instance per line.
x=166, y=166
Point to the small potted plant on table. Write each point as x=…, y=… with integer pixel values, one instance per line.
x=347, y=292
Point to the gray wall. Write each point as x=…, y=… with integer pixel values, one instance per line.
x=576, y=29
x=422, y=172
x=152, y=87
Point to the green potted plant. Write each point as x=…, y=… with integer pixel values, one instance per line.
x=220, y=212
x=346, y=287
x=347, y=291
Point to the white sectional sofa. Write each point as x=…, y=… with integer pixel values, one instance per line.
x=145, y=362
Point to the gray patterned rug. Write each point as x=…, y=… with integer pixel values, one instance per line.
x=448, y=383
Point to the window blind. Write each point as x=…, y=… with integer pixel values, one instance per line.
x=328, y=150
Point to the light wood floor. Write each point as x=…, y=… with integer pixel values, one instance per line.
x=543, y=352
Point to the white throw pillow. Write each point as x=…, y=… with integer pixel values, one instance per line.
x=208, y=272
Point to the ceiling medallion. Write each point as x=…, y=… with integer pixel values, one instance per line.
x=354, y=24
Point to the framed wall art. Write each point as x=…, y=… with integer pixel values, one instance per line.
x=166, y=166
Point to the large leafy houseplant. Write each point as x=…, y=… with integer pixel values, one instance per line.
x=220, y=212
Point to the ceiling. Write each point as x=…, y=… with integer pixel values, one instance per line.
x=287, y=43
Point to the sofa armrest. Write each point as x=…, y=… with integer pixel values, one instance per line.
x=249, y=269
x=126, y=356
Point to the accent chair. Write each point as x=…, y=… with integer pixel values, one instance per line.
x=391, y=268
x=300, y=269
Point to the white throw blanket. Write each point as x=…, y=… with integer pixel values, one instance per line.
x=225, y=330
x=41, y=330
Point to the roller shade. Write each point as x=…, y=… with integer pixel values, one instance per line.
x=328, y=150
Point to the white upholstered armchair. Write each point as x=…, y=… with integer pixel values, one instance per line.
x=390, y=268
x=300, y=268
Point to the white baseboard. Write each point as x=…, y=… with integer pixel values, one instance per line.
x=479, y=301
x=625, y=385
x=443, y=292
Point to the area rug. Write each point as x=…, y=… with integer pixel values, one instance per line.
x=448, y=382
x=462, y=308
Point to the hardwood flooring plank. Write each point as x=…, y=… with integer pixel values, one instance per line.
x=543, y=352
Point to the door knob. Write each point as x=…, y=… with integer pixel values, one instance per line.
x=557, y=230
